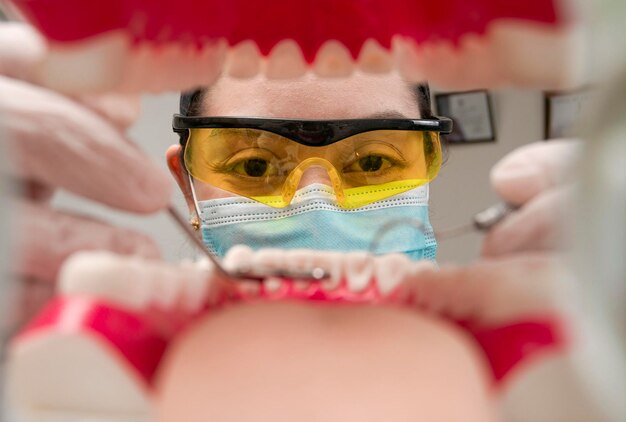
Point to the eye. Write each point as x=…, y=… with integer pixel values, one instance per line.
x=369, y=164
x=253, y=167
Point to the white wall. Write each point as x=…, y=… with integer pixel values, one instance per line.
x=461, y=189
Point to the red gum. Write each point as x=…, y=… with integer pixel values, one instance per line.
x=508, y=347
x=140, y=343
x=308, y=23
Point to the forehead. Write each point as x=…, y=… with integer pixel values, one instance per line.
x=310, y=97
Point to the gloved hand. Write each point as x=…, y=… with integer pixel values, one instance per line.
x=520, y=271
x=77, y=144
x=522, y=276
x=538, y=178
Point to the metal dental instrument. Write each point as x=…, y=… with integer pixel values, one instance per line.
x=315, y=274
x=483, y=221
x=191, y=235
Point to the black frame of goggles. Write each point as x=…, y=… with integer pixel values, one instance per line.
x=309, y=132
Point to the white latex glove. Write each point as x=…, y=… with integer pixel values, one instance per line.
x=538, y=178
x=520, y=273
x=54, y=142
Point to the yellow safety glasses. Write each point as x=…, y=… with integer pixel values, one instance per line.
x=363, y=160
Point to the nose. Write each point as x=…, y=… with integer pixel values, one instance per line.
x=313, y=170
x=314, y=174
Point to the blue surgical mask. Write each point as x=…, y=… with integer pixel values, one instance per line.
x=313, y=221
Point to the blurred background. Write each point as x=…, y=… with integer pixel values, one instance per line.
x=517, y=117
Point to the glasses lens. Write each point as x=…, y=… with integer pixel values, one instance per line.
x=247, y=162
x=261, y=165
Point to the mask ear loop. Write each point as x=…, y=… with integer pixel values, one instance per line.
x=195, y=201
x=293, y=180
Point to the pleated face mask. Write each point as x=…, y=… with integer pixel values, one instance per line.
x=313, y=220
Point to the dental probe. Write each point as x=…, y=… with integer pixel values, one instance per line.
x=483, y=221
x=315, y=274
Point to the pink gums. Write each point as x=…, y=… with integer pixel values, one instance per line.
x=309, y=22
x=315, y=292
x=142, y=338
